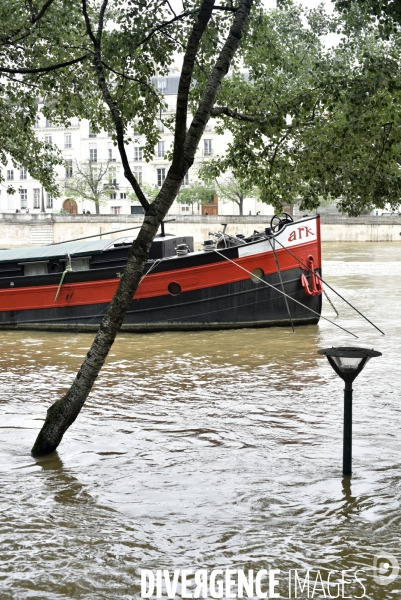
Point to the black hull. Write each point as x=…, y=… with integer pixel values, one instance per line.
x=234, y=305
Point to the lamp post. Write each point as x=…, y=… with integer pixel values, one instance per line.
x=348, y=363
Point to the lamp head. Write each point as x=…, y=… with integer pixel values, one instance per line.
x=348, y=362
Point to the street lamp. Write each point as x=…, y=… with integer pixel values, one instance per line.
x=348, y=363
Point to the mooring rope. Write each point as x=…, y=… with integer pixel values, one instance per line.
x=281, y=282
x=284, y=294
x=331, y=304
x=332, y=289
x=155, y=264
x=68, y=269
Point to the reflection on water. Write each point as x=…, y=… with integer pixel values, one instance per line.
x=212, y=449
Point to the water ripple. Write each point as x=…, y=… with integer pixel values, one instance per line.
x=218, y=449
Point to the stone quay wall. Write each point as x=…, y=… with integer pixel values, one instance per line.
x=40, y=229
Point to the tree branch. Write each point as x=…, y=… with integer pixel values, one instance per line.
x=281, y=140
x=225, y=193
x=129, y=78
x=170, y=7
x=217, y=75
x=115, y=113
x=44, y=69
x=204, y=16
x=101, y=20
x=226, y=8
x=166, y=24
x=234, y=114
x=36, y=18
x=88, y=24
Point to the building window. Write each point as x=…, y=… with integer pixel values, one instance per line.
x=136, y=131
x=137, y=153
x=10, y=175
x=186, y=179
x=91, y=134
x=68, y=168
x=67, y=140
x=160, y=149
x=48, y=139
x=36, y=198
x=112, y=176
x=116, y=210
x=161, y=176
x=49, y=201
x=162, y=85
x=160, y=125
x=92, y=153
x=49, y=123
x=23, y=173
x=24, y=198
x=207, y=148
x=123, y=196
x=138, y=174
x=113, y=196
x=110, y=151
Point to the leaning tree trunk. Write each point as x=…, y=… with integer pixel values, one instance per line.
x=65, y=410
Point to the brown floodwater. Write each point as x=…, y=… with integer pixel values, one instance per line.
x=207, y=450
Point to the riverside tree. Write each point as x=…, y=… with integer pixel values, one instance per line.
x=294, y=116
x=125, y=44
x=312, y=122
x=228, y=187
x=22, y=61
x=91, y=181
x=196, y=193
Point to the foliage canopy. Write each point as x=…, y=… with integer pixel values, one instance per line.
x=306, y=121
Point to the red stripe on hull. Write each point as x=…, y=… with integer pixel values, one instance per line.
x=156, y=284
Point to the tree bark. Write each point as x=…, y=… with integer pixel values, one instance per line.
x=65, y=410
x=241, y=205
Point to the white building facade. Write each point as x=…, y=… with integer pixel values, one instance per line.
x=79, y=145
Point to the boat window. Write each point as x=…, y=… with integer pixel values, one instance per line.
x=35, y=268
x=54, y=267
x=174, y=288
x=80, y=264
x=257, y=275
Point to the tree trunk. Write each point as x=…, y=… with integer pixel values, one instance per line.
x=65, y=410
x=241, y=205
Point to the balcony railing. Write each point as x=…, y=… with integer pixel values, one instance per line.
x=207, y=152
x=49, y=125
